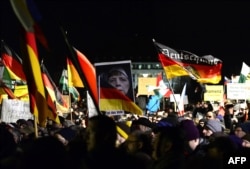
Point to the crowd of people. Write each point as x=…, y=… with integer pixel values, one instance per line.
x=204, y=137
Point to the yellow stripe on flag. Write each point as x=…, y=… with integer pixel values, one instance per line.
x=73, y=76
x=118, y=104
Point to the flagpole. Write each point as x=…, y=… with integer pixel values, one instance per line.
x=35, y=126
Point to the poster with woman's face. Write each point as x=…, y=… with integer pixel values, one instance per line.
x=116, y=75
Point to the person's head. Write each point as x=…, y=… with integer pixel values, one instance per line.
x=239, y=132
x=118, y=78
x=168, y=139
x=208, y=106
x=229, y=107
x=212, y=126
x=210, y=115
x=220, y=147
x=201, y=122
x=242, y=129
x=101, y=132
x=138, y=141
x=142, y=124
x=191, y=133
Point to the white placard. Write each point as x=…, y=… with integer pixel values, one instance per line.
x=238, y=91
x=13, y=109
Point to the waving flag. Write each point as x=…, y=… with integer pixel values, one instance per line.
x=245, y=73
x=66, y=89
x=6, y=83
x=6, y=80
x=63, y=82
x=206, y=69
x=85, y=69
x=42, y=105
x=160, y=89
x=181, y=102
x=73, y=76
x=29, y=16
x=227, y=80
x=113, y=100
x=53, y=91
x=13, y=63
x=163, y=90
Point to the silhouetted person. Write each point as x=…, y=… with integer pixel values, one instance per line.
x=101, y=135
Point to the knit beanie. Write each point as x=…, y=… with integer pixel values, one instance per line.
x=245, y=127
x=190, y=129
x=213, y=125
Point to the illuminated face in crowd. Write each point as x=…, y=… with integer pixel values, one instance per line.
x=207, y=132
x=119, y=80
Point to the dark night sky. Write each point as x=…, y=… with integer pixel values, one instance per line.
x=107, y=30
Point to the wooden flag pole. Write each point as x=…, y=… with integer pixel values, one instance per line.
x=35, y=126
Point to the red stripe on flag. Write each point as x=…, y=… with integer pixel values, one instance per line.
x=89, y=72
x=12, y=61
x=111, y=93
x=40, y=104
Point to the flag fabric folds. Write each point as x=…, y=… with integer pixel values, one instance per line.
x=13, y=63
x=73, y=76
x=89, y=73
x=112, y=99
x=163, y=90
x=227, y=80
x=12, y=74
x=22, y=12
x=160, y=89
x=245, y=73
x=205, y=69
x=66, y=89
x=181, y=102
x=53, y=91
x=41, y=104
x=84, y=68
x=6, y=80
x=29, y=16
x=63, y=82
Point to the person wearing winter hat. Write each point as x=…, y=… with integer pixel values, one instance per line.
x=212, y=126
x=143, y=124
x=191, y=133
x=241, y=132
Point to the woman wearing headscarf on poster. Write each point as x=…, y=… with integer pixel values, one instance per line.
x=115, y=88
x=117, y=76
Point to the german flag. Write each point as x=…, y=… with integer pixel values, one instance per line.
x=52, y=89
x=41, y=104
x=84, y=67
x=12, y=62
x=205, y=69
x=73, y=76
x=113, y=99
